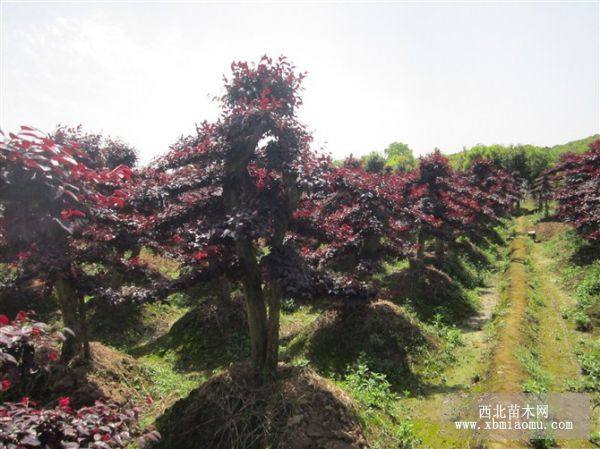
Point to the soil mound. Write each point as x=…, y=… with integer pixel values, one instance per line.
x=212, y=335
x=110, y=375
x=545, y=230
x=383, y=333
x=429, y=291
x=300, y=410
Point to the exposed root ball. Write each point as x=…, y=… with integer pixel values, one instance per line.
x=300, y=410
x=110, y=375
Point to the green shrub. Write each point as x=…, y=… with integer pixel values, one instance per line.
x=406, y=436
x=370, y=388
x=288, y=305
x=590, y=366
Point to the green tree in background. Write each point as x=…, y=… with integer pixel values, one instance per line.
x=374, y=162
x=400, y=157
x=529, y=161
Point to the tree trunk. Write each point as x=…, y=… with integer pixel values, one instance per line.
x=83, y=332
x=73, y=315
x=223, y=291
x=255, y=305
x=440, y=249
x=421, y=246
x=274, y=298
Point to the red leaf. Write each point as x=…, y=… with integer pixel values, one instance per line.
x=68, y=213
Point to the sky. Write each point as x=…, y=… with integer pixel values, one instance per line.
x=445, y=75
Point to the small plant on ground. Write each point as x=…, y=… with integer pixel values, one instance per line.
x=370, y=388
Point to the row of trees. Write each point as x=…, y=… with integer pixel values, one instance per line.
x=574, y=183
x=243, y=202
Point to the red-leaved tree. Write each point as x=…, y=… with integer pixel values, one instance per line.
x=56, y=214
x=229, y=193
x=578, y=194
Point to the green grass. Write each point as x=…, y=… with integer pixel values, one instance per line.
x=579, y=265
x=579, y=269
x=165, y=384
x=385, y=420
x=538, y=381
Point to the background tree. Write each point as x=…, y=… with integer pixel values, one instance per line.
x=373, y=162
x=431, y=202
x=355, y=222
x=400, y=157
x=542, y=190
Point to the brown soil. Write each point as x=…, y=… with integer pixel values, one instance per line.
x=109, y=376
x=547, y=229
x=300, y=410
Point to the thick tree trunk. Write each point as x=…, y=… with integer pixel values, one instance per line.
x=72, y=309
x=274, y=298
x=257, y=324
x=255, y=305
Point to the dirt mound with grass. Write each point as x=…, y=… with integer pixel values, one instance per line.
x=300, y=410
x=109, y=375
x=429, y=290
x=210, y=336
x=545, y=230
x=382, y=334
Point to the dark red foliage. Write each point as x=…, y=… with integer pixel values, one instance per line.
x=352, y=220
x=108, y=426
x=103, y=152
x=498, y=190
x=483, y=195
x=432, y=203
x=58, y=212
x=26, y=348
x=578, y=195
x=48, y=194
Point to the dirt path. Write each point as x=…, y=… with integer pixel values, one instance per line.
x=555, y=340
x=506, y=373
x=529, y=277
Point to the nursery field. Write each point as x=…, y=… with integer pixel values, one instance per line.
x=244, y=291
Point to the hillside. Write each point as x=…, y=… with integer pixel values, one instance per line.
x=528, y=160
